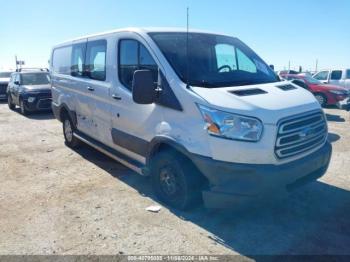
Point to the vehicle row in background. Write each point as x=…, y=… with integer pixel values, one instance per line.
x=340, y=77
x=4, y=80
x=30, y=90
x=325, y=94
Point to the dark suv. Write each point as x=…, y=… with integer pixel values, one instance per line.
x=30, y=90
x=4, y=80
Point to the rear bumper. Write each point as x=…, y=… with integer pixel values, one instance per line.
x=235, y=183
x=3, y=96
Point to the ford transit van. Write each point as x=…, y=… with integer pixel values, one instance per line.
x=200, y=113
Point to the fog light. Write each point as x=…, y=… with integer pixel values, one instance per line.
x=31, y=99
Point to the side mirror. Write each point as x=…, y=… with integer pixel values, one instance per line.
x=17, y=83
x=143, y=89
x=272, y=67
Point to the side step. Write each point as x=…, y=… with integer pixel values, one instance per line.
x=112, y=153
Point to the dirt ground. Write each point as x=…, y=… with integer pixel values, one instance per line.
x=54, y=200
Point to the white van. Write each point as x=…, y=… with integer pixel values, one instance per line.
x=339, y=77
x=200, y=113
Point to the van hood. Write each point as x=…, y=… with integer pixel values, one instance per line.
x=270, y=104
x=5, y=80
x=36, y=88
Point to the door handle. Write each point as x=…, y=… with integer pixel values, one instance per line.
x=116, y=97
x=90, y=88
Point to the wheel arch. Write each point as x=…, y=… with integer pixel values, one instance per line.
x=160, y=143
x=64, y=109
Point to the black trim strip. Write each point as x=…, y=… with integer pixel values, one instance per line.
x=130, y=142
x=110, y=150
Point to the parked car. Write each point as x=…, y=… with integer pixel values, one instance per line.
x=4, y=80
x=211, y=121
x=339, y=77
x=325, y=94
x=30, y=90
x=287, y=72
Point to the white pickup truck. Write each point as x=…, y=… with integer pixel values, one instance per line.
x=339, y=77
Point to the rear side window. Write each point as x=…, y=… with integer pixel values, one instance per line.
x=134, y=56
x=323, y=75
x=348, y=74
x=78, y=60
x=96, y=60
x=336, y=75
x=61, y=60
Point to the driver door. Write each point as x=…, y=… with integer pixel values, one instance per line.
x=133, y=125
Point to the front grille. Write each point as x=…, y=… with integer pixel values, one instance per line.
x=3, y=88
x=44, y=103
x=299, y=134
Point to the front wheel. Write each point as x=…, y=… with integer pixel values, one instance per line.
x=175, y=180
x=321, y=99
x=24, y=111
x=10, y=103
x=68, y=132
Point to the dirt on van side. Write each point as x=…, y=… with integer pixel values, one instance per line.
x=54, y=200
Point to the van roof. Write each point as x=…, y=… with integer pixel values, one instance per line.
x=140, y=31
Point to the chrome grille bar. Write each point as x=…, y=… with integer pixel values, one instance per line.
x=299, y=134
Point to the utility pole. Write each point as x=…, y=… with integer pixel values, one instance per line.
x=316, y=69
x=16, y=63
x=289, y=65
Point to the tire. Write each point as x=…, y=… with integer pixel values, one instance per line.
x=321, y=99
x=9, y=103
x=175, y=180
x=24, y=111
x=68, y=131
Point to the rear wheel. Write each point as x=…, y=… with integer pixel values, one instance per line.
x=10, y=103
x=68, y=132
x=175, y=180
x=321, y=99
x=24, y=111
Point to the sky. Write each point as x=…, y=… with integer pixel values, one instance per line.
x=290, y=31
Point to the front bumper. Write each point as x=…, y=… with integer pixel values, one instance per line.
x=42, y=101
x=344, y=104
x=235, y=183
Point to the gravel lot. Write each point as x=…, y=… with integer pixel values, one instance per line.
x=54, y=200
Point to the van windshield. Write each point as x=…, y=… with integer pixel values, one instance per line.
x=213, y=60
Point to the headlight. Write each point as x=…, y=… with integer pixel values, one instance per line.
x=336, y=92
x=231, y=126
x=31, y=99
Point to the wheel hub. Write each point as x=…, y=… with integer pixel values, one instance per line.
x=168, y=181
x=68, y=130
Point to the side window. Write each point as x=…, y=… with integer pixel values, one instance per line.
x=244, y=63
x=134, y=56
x=61, y=60
x=146, y=61
x=230, y=58
x=96, y=60
x=128, y=61
x=323, y=75
x=225, y=57
x=348, y=74
x=78, y=60
x=336, y=75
